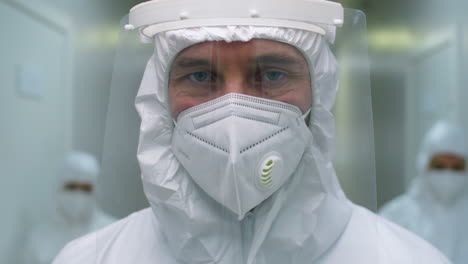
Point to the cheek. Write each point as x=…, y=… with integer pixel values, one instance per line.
x=300, y=97
x=305, y=101
x=178, y=102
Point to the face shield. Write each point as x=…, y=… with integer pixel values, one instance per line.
x=354, y=157
x=237, y=135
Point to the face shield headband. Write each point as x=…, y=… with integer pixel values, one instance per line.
x=153, y=17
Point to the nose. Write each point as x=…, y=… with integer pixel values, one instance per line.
x=237, y=82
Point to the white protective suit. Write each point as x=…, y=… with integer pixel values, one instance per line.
x=74, y=214
x=442, y=222
x=308, y=220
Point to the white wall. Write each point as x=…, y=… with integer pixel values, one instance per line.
x=36, y=127
x=67, y=50
x=431, y=94
x=96, y=36
x=417, y=79
x=462, y=65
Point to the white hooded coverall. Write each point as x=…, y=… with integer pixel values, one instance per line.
x=441, y=222
x=308, y=220
x=82, y=215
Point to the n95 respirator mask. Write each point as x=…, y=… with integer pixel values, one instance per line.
x=240, y=149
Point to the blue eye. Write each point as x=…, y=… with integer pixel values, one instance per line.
x=273, y=75
x=200, y=76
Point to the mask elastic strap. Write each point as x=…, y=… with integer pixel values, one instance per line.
x=306, y=114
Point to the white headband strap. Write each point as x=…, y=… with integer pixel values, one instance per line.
x=157, y=16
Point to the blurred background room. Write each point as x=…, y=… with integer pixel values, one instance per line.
x=57, y=60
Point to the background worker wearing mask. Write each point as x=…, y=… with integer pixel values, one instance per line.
x=235, y=145
x=75, y=214
x=435, y=206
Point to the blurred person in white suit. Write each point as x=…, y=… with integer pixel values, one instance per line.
x=436, y=205
x=76, y=212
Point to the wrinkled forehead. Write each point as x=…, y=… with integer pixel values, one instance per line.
x=254, y=46
x=252, y=51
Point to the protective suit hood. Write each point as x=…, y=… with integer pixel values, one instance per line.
x=444, y=137
x=429, y=213
x=290, y=226
x=79, y=167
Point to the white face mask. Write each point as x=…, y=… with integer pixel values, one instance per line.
x=240, y=149
x=76, y=206
x=447, y=185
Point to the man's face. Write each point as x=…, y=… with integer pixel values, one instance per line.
x=261, y=68
x=447, y=162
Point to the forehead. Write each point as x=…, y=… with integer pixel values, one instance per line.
x=239, y=49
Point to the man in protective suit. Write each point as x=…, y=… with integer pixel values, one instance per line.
x=235, y=145
x=76, y=212
x=436, y=205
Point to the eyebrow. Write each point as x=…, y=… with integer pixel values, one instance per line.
x=278, y=59
x=191, y=62
x=263, y=59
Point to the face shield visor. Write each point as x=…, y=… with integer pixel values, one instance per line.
x=237, y=134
